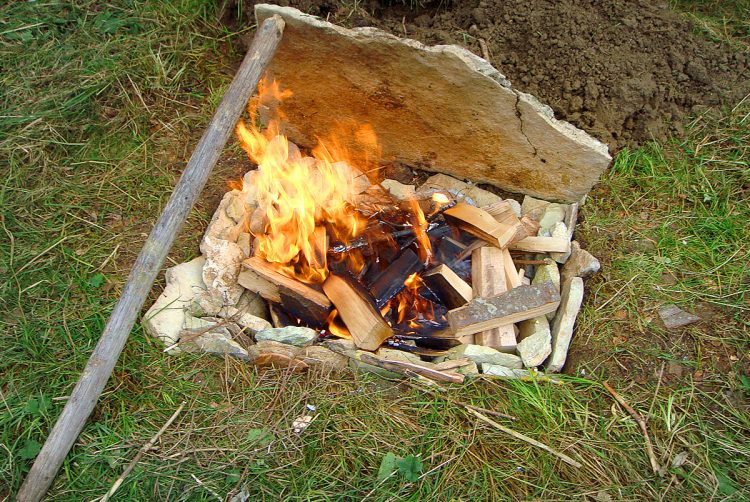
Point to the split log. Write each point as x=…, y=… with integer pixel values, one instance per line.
x=542, y=245
x=503, y=213
x=405, y=368
x=147, y=265
x=452, y=290
x=518, y=304
x=488, y=279
x=367, y=327
x=512, y=276
x=390, y=281
x=299, y=299
x=480, y=223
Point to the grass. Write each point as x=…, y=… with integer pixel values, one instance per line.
x=100, y=109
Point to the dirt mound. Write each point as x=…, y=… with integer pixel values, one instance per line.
x=624, y=71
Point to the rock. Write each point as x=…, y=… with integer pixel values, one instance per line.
x=562, y=327
x=251, y=323
x=510, y=373
x=515, y=206
x=218, y=341
x=204, y=304
x=534, y=207
x=254, y=304
x=462, y=191
x=674, y=317
x=471, y=369
x=341, y=346
x=226, y=223
x=553, y=213
x=481, y=354
x=560, y=231
x=580, y=264
x=166, y=317
x=535, y=341
x=317, y=355
x=399, y=355
x=299, y=336
x=398, y=190
x=223, y=265
x=511, y=141
x=547, y=272
x=243, y=241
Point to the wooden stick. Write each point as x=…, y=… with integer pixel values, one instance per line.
x=149, y=262
x=642, y=424
x=402, y=367
x=542, y=245
x=525, y=438
x=488, y=279
x=146, y=447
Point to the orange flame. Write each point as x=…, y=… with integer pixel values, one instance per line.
x=303, y=201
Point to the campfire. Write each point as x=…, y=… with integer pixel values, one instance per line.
x=311, y=253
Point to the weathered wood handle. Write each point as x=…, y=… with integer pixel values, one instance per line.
x=149, y=262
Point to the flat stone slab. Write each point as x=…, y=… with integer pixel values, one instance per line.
x=439, y=108
x=674, y=317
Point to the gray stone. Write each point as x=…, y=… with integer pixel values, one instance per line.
x=511, y=140
x=674, y=317
x=560, y=231
x=223, y=265
x=580, y=264
x=251, y=323
x=218, y=341
x=535, y=343
x=533, y=207
x=226, y=222
x=317, y=355
x=341, y=346
x=481, y=354
x=553, y=213
x=547, y=272
x=510, y=373
x=562, y=326
x=461, y=190
x=399, y=355
x=515, y=206
x=398, y=190
x=299, y=336
x=243, y=241
x=166, y=317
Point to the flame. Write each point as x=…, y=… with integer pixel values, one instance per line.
x=304, y=201
x=410, y=301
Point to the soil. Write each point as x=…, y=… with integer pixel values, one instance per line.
x=625, y=71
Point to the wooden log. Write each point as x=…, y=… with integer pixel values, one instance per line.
x=512, y=276
x=541, y=245
x=390, y=281
x=367, y=327
x=480, y=223
x=299, y=299
x=451, y=289
x=503, y=213
x=405, y=368
x=518, y=304
x=488, y=279
x=149, y=262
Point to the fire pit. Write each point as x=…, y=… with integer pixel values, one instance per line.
x=314, y=259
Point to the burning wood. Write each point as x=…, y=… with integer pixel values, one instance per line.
x=482, y=224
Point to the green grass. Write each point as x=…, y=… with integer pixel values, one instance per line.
x=101, y=106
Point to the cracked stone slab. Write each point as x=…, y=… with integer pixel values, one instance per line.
x=438, y=108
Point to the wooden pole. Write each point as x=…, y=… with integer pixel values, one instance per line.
x=149, y=262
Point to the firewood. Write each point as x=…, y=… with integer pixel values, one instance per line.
x=367, y=327
x=390, y=281
x=451, y=289
x=518, y=304
x=542, y=245
x=488, y=279
x=299, y=299
x=512, y=276
x=480, y=223
x=405, y=368
x=503, y=213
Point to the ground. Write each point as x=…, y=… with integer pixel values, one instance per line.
x=101, y=108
